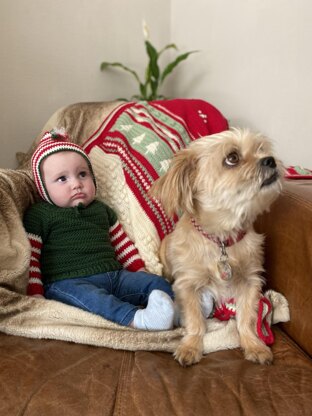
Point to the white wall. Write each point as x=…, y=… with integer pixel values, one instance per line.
x=255, y=65
x=51, y=52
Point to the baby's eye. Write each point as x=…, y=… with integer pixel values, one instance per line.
x=61, y=179
x=83, y=174
x=232, y=159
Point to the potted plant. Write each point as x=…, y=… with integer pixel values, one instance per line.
x=154, y=74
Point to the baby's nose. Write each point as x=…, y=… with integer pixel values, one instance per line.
x=76, y=183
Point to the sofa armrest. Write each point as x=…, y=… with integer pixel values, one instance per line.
x=288, y=256
x=17, y=192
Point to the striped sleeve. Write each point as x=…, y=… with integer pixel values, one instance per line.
x=126, y=252
x=35, y=285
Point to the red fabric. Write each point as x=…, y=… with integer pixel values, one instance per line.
x=35, y=286
x=296, y=172
x=173, y=124
x=263, y=327
x=224, y=312
x=125, y=250
x=201, y=118
x=227, y=310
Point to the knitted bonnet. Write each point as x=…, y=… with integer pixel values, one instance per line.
x=52, y=142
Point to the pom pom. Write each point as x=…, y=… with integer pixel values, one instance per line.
x=58, y=133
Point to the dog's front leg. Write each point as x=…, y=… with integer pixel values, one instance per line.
x=190, y=349
x=246, y=315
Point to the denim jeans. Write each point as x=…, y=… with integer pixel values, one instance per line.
x=115, y=296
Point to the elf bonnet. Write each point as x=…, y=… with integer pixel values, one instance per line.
x=52, y=142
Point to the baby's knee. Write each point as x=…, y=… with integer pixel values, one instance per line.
x=161, y=283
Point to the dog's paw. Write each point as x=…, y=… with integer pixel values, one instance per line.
x=260, y=355
x=187, y=355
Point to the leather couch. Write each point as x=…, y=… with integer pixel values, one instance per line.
x=52, y=377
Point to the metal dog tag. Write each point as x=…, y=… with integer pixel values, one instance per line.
x=224, y=266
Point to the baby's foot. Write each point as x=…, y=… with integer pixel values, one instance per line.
x=158, y=314
x=206, y=303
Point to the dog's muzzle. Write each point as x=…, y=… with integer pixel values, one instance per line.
x=268, y=165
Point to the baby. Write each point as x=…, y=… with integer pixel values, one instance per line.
x=80, y=254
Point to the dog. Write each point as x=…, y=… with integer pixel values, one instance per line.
x=218, y=186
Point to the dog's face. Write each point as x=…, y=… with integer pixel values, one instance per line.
x=232, y=175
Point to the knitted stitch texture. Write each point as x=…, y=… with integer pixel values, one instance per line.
x=74, y=242
x=227, y=310
x=132, y=148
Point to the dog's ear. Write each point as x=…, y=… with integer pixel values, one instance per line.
x=174, y=190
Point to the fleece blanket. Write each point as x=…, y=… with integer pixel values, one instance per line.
x=121, y=140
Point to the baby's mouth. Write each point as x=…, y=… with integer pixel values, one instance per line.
x=78, y=195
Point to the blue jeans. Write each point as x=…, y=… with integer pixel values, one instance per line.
x=115, y=296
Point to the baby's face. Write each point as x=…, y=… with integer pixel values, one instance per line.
x=68, y=179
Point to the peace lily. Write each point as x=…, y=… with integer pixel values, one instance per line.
x=154, y=75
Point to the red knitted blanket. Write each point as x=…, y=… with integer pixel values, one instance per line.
x=144, y=136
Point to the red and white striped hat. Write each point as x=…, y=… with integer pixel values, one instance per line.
x=52, y=142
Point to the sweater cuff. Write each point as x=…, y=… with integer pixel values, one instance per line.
x=35, y=289
x=135, y=265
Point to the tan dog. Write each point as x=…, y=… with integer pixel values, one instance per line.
x=219, y=184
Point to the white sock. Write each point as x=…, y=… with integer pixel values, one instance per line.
x=158, y=314
x=206, y=303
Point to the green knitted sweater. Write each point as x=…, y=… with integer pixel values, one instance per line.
x=73, y=241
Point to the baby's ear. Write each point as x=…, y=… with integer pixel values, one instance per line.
x=174, y=190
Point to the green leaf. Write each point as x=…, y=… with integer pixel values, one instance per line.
x=170, y=67
x=143, y=91
x=105, y=65
x=154, y=75
x=154, y=88
x=170, y=46
x=153, y=58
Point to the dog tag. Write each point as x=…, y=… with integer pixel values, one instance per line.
x=225, y=269
x=224, y=266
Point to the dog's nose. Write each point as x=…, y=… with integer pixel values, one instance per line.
x=268, y=162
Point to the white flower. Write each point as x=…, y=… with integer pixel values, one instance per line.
x=145, y=30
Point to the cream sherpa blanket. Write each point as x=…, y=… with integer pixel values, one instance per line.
x=38, y=318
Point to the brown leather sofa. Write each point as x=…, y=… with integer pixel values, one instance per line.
x=51, y=377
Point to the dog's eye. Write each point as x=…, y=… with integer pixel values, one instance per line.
x=232, y=159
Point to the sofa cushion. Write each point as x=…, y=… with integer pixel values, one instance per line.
x=46, y=377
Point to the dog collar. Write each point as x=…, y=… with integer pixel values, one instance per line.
x=221, y=243
x=224, y=267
